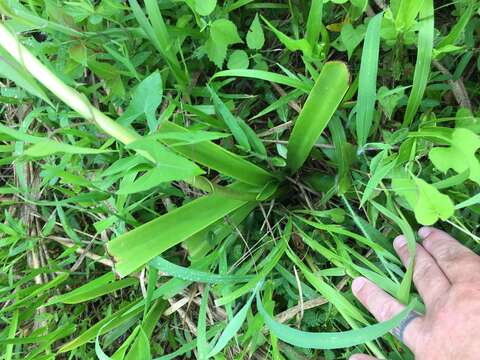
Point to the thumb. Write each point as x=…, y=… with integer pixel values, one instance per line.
x=362, y=357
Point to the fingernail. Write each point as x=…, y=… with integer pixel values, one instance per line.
x=399, y=242
x=425, y=231
x=358, y=284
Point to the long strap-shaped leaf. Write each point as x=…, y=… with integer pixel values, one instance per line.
x=322, y=102
x=216, y=157
x=138, y=246
x=329, y=340
x=424, y=61
x=367, y=87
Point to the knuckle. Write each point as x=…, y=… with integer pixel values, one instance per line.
x=448, y=253
x=403, y=251
x=422, y=269
x=387, y=311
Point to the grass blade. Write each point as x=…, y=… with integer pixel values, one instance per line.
x=232, y=328
x=230, y=120
x=424, y=61
x=184, y=273
x=265, y=75
x=327, y=340
x=202, y=345
x=367, y=88
x=322, y=102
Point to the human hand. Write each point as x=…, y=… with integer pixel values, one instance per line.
x=447, y=277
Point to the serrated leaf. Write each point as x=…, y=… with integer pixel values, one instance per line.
x=216, y=52
x=255, y=35
x=224, y=31
x=460, y=155
x=238, y=60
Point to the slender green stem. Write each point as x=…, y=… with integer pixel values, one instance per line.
x=82, y=105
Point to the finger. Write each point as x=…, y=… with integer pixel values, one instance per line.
x=457, y=262
x=383, y=307
x=362, y=357
x=429, y=279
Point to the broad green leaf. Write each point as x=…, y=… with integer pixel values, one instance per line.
x=330, y=340
x=205, y=7
x=431, y=204
x=465, y=119
x=79, y=53
x=238, y=60
x=223, y=33
x=424, y=59
x=216, y=52
x=322, y=102
x=168, y=230
x=194, y=275
x=367, y=88
x=405, y=187
x=255, y=35
x=146, y=98
x=198, y=245
x=407, y=13
x=460, y=155
x=425, y=200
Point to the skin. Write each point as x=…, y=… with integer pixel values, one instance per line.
x=447, y=277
